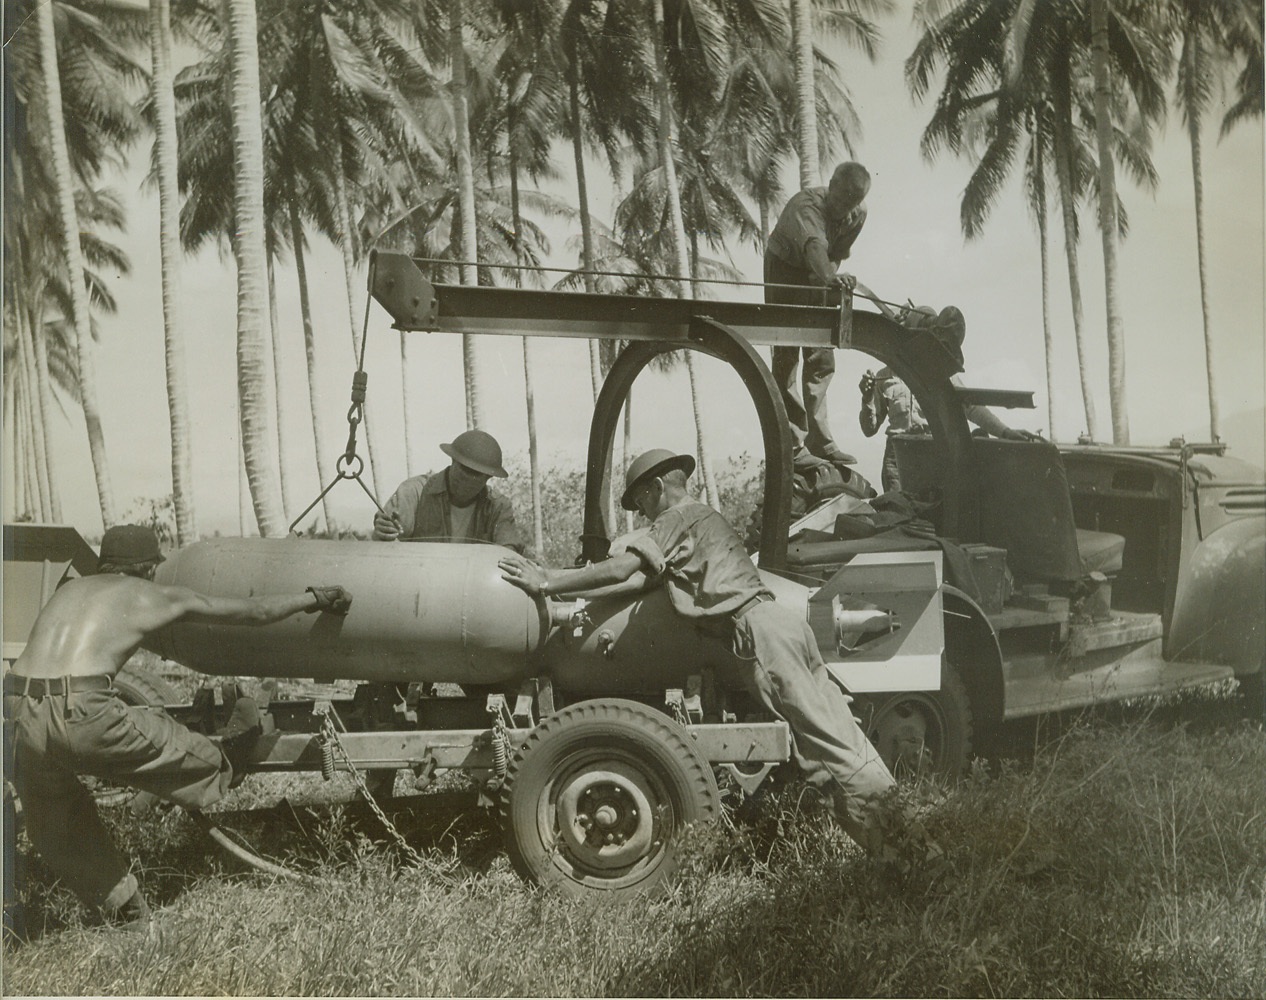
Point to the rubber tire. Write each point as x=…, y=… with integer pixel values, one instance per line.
x=571, y=757
x=140, y=687
x=943, y=726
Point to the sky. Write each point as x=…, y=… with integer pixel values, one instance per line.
x=911, y=248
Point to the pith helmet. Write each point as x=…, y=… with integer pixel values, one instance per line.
x=476, y=450
x=129, y=545
x=648, y=465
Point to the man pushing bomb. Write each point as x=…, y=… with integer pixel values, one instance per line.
x=67, y=718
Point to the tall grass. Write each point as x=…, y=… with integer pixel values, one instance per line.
x=1122, y=860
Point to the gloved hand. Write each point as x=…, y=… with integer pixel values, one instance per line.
x=332, y=599
x=386, y=527
x=867, y=384
x=847, y=282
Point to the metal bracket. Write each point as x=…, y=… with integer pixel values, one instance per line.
x=748, y=781
x=403, y=290
x=686, y=705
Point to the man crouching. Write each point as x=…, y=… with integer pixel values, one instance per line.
x=68, y=719
x=694, y=552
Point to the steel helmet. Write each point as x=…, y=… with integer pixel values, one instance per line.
x=476, y=450
x=950, y=330
x=649, y=464
x=129, y=545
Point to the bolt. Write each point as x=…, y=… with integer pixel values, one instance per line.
x=610, y=838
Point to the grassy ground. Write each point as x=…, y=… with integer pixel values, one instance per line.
x=1124, y=856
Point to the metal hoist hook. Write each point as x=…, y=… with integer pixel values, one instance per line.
x=349, y=464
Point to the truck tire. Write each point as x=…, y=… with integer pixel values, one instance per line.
x=922, y=732
x=599, y=795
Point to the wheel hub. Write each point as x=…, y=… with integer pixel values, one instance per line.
x=605, y=816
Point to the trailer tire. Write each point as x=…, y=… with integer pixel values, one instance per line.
x=140, y=687
x=597, y=798
x=922, y=732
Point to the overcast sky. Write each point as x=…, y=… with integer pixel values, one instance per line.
x=912, y=247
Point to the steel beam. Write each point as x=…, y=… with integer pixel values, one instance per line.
x=472, y=749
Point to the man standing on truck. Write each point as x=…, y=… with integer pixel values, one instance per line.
x=456, y=505
x=67, y=718
x=697, y=555
x=886, y=397
x=814, y=233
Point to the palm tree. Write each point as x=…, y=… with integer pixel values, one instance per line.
x=806, y=93
x=74, y=258
x=162, y=82
x=252, y=266
x=1023, y=68
x=1206, y=31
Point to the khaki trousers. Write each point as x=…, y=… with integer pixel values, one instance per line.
x=781, y=666
x=58, y=737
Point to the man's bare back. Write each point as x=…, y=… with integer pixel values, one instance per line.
x=92, y=625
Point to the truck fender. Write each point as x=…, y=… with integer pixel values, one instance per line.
x=971, y=644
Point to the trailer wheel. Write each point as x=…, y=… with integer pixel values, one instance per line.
x=597, y=799
x=140, y=687
x=922, y=732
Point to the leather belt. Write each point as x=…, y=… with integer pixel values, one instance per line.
x=747, y=606
x=39, y=687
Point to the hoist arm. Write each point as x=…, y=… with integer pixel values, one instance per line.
x=414, y=303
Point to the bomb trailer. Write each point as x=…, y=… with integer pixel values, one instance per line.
x=601, y=723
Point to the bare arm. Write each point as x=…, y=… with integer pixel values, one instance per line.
x=543, y=580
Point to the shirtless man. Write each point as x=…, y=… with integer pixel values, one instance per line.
x=67, y=718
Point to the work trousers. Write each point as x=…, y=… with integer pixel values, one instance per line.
x=807, y=413
x=889, y=476
x=782, y=668
x=57, y=737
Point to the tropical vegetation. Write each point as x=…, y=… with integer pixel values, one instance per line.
x=429, y=127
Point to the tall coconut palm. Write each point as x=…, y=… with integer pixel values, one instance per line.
x=252, y=267
x=806, y=93
x=1206, y=31
x=161, y=87
x=1025, y=67
x=74, y=258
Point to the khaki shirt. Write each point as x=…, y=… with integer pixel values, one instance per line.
x=701, y=560
x=425, y=512
x=806, y=237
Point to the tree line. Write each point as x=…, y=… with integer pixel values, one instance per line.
x=428, y=126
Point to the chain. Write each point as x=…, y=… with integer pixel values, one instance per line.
x=330, y=738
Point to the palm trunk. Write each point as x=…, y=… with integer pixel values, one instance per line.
x=74, y=261
x=806, y=93
x=1197, y=179
x=628, y=449
x=345, y=241
x=469, y=246
x=582, y=197
x=274, y=323
x=36, y=450
x=252, y=268
x=26, y=455
x=529, y=396
x=1108, y=219
x=309, y=347
x=681, y=262
x=705, y=461
x=1069, y=214
x=160, y=40
x=1048, y=338
x=44, y=394
x=10, y=444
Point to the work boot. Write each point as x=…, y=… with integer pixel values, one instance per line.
x=240, y=735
